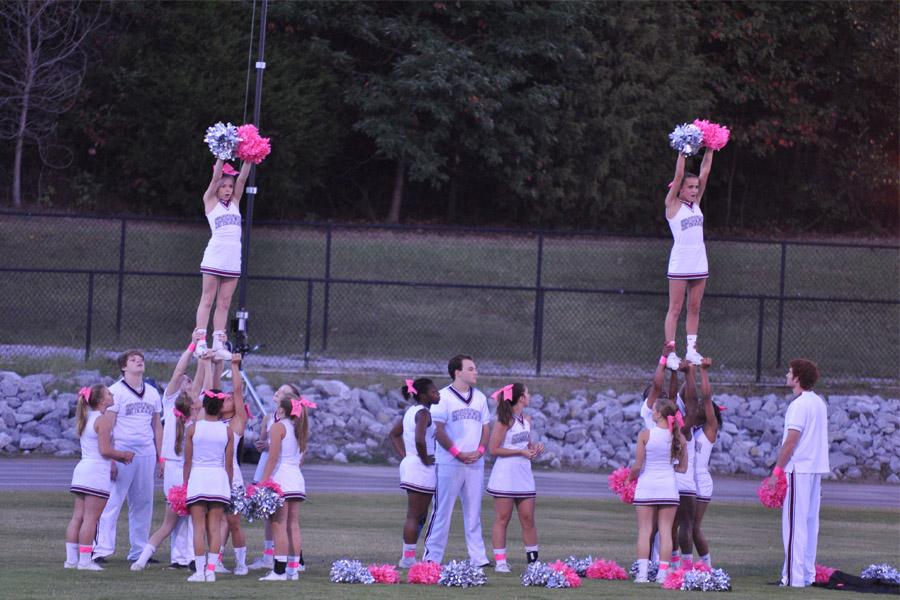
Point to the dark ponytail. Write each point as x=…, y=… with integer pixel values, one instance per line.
x=504, y=407
x=183, y=403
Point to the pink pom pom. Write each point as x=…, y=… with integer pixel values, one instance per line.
x=252, y=147
x=424, y=573
x=268, y=483
x=715, y=136
x=823, y=573
x=618, y=483
x=569, y=573
x=674, y=580
x=772, y=498
x=384, y=573
x=700, y=566
x=177, y=498
x=605, y=569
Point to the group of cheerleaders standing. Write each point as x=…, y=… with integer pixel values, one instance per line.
x=203, y=428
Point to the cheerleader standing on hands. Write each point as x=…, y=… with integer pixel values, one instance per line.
x=221, y=265
x=287, y=443
x=511, y=482
x=91, y=477
x=656, y=496
x=413, y=438
x=688, y=268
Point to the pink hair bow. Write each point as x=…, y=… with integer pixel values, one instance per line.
x=85, y=394
x=298, y=405
x=721, y=408
x=227, y=169
x=211, y=394
x=410, y=389
x=676, y=419
x=307, y=403
x=506, y=391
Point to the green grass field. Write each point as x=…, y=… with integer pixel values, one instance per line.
x=391, y=323
x=745, y=541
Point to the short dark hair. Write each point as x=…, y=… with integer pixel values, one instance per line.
x=806, y=372
x=122, y=359
x=455, y=364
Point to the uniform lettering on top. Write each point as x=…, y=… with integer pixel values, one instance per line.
x=522, y=436
x=138, y=408
x=225, y=220
x=466, y=413
x=688, y=222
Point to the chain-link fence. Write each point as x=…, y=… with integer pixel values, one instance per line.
x=402, y=299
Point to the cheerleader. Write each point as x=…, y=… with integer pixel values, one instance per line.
x=91, y=477
x=511, y=482
x=180, y=409
x=709, y=422
x=221, y=264
x=262, y=445
x=413, y=438
x=688, y=268
x=287, y=443
x=656, y=495
x=208, y=457
x=682, y=531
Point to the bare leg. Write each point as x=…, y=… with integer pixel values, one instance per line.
x=279, y=531
x=207, y=296
x=665, y=518
x=502, y=514
x=75, y=522
x=685, y=519
x=93, y=508
x=227, y=285
x=417, y=505
x=696, y=287
x=293, y=527
x=677, y=289
x=169, y=521
x=525, y=509
x=238, y=539
x=213, y=520
x=646, y=516
x=700, y=539
x=198, y=518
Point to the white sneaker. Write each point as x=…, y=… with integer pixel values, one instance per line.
x=241, y=570
x=661, y=577
x=137, y=566
x=273, y=576
x=672, y=361
x=210, y=576
x=405, y=563
x=91, y=566
x=641, y=580
x=68, y=565
x=201, y=348
x=219, y=341
x=694, y=357
x=220, y=568
x=301, y=568
x=198, y=576
x=263, y=562
x=223, y=354
x=295, y=576
x=501, y=567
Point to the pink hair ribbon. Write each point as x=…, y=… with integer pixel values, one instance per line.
x=296, y=408
x=227, y=169
x=506, y=391
x=410, y=389
x=212, y=394
x=85, y=394
x=679, y=419
x=307, y=403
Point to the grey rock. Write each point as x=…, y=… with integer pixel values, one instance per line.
x=552, y=409
x=24, y=417
x=730, y=427
x=371, y=401
x=770, y=407
x=892, y=478
x=48, y=429
x=576, y=436
x=839, y=460
x=339, y=457
x=332, y=388
x=9, y=388
x=854, y=473
x=555, y=463
x=14, y=401
x=30, y=442
x=557, y=431
x=537, y=401
x=5, y=440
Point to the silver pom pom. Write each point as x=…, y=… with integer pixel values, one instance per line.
x=652, y=570
x=222, y=140
x=716, y=580
x=536, y=574
x=883, y=572
x=686, y=138
x=461, y=573
x=240, y=503
x=263, y=504
x=580, y=565
x=557, y=580
x=350, y=571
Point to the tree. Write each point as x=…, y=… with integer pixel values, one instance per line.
x=41, y=72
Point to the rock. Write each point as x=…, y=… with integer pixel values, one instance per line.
x=770, y=407
x=30, y=442
x=537, y=401
x=38, y=408
x=24, y=417
x=839, y=460
x=854, y=473
x=892, y=478
x=371, y=401
x=9, y=388
x=730, y=427
x=339, y=457
x=332, y=388
x=551, y=409
x=49, y=429
x=557, y=431
x=555, y=463
x=576, y=436
x=5, y=440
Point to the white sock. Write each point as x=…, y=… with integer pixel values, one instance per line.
x=676, y=559
x=292, y=562
x=202, y=342
x=409, y=550
x=240, y=557
x=500, y=555
x=71, y=553
x=643, y=563
x=692, y=343
x=672, y=355
x=687, y=559
x=84, y=558
x=706, y=560
x=212, y=559
x=200, y=564
x=219, y=338
x=146, y=553
x=663, y=571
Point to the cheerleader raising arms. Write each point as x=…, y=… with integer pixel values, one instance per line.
x=705, y=435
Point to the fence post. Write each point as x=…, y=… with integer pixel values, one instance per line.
x=90, y=317
x=537, y=287
x=759, y=337
x=121, y=279
x=780, y=304
x=309, y=301
x=327, y=288
x=539, y=332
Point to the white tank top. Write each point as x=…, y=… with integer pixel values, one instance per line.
x=170, y=424
x=687, y=225
x=225, y=222
x=703, y=449
x=210, y=440
x=237, y=440
x=659, y=451
x=90, y=445
x=290, y=451
x=517, y=436
x=409, y=432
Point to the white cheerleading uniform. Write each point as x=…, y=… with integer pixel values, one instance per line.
x=656, y=484
x=237, y=478
x=264, y=456
x=208, y=479
x=416, y=476
x=287, y=472
x=702, y=451
x=511, y=476
x=181, y=546
x=223, y=252
x=135, y=411
x=688, y=257
x=808, y=414
x=687, y=486
x=464, y=417
x=91, y=474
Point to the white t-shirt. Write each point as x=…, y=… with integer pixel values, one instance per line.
x=169, y=424
x=463, y=416
x=134, y=417
x=808, y=414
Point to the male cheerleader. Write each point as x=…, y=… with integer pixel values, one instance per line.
x=803, y=459
x=135, y=416
x=462, y=422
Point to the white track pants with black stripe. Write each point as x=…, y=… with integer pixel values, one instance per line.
x=800, y=528
x=133, y=483
x=467, y=482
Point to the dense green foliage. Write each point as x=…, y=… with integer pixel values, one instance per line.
x=547, y=114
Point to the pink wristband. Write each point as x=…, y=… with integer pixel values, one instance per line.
x=454, y=451
x=663, y=360
x=778, y=472
x=480, y=449
x=161, y=460
x=191, y=347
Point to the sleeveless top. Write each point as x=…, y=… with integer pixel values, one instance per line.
x=225, y=222
x=210, y=440
x=290, y=451
x=517, y=436
x=687, y=225
x=702, y=449
x=409, y=432
x=90, y=445
x=659, y=452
